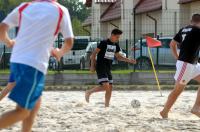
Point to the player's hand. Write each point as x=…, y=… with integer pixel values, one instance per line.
x=132, y=61
x=57, y=53
x=10, y=43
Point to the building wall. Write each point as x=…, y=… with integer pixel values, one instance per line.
x=168, y=22
x=148, y=25
x=186, y=12
x=107, y=27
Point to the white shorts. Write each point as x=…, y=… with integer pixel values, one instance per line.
x=186, y=72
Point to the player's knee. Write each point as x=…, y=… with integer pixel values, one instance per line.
x=105, y=85
x=24, y=113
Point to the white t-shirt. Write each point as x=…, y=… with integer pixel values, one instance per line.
x=36, y=34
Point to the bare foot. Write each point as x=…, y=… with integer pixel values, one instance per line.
x=164, y=115
x=196, y=112
x=87, y=96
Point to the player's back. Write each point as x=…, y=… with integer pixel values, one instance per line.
x=36, y=34
x=189, y=40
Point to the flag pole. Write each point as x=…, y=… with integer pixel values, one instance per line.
x=154, y=70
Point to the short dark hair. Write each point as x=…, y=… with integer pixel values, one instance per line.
x=196, y=18
x=116, y=32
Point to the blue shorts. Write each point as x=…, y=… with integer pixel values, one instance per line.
x=29, y=85
x=11, y=78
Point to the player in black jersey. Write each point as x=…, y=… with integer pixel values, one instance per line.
x=106, y=51
x=187, y=64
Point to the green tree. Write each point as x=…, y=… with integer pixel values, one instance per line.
x=76, y=9
x=77, y=27
x=7, y=5
x=78, y=12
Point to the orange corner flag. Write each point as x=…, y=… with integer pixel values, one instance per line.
x=151, y=42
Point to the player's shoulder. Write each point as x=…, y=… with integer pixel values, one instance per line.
x=196, y=29
x=104, y=41
x=188, y=28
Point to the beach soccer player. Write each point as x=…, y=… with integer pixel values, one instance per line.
x=187, y=64
x=39, y=23
x=105, y=52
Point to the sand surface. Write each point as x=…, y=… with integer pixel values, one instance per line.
x=67, y=112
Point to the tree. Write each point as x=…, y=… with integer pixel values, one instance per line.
x=7, y=5
x=77, y=27
x=78, y=12
x=76, y=9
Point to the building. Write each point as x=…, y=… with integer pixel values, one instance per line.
x=159, y=17
x=162, y=17
x=187, y=8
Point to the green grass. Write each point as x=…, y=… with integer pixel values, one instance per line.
x=88, y=72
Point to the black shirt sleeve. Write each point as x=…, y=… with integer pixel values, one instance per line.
x=178, y=37
x=117, y=48
x=101, y=45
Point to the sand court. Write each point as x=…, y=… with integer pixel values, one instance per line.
x=64, y=111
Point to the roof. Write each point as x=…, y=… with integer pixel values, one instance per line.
x=186, y=1
x=88, y=21
x=148, y=5
x=88, y=3
x=113, y=12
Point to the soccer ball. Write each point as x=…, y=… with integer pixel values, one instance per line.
x=135, y=103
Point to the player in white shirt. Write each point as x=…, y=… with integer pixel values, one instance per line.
x=39, y=23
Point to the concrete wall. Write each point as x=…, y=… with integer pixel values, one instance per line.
x=120, y=79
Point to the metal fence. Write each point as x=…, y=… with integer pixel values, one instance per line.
x=163, y=24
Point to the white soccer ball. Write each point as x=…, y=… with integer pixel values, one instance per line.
x=135, y=103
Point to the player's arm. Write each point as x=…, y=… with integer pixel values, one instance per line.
x=4, y=35
x=173, y=46
x=175, y=41
x=93, y=59
x=67, y=32
x=12, y=20
x=122, y=58
x=66, y=47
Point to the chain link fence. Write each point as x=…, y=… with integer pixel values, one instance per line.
x=162, y=24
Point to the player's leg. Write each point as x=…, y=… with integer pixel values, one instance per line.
x=183, y=76
x=108, y=86
x=172, y=99
x=88, y=93
x=102, y=77
x=108, y=93
x=26, y=93
x=13, y=116
x=196, y=107
x=28, y=122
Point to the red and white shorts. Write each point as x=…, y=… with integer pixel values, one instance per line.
x=186, y=72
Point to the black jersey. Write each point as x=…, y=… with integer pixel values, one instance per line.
x=107, y=53
x=189, y=40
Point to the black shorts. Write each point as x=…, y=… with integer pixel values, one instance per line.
x=104, y=75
